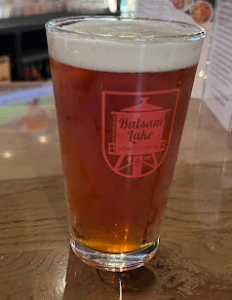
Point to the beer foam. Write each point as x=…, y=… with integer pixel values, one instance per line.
x=122, y=46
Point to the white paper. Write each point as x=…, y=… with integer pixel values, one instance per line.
x=161, y=9
x=164, y=9
x=218, y=86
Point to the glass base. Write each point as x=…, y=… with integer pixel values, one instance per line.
x=114, y=262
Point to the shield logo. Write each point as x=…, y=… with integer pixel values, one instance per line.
x=137, y=129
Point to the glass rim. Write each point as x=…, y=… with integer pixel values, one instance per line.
x=55, y=25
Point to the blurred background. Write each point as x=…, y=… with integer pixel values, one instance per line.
x=23, y=51
x=25, y=72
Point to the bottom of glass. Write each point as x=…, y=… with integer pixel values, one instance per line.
x=118, y=262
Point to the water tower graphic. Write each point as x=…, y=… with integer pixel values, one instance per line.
x=137, y=137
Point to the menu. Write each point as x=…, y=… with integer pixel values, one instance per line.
x=189, y=11
x=218, y=86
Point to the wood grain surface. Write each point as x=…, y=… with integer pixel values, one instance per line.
x=193, y=262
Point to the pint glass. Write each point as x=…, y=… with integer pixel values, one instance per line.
x=122, y=88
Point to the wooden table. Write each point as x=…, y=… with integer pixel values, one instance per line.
x=194, y=260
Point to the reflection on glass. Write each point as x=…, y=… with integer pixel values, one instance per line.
x=112, y=5
x=201, y=73
x=120, y=289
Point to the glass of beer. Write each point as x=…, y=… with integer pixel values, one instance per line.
x=122, y=88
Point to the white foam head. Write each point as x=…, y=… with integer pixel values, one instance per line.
x=124, y=46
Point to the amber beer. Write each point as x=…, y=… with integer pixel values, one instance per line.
x=121, y=105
